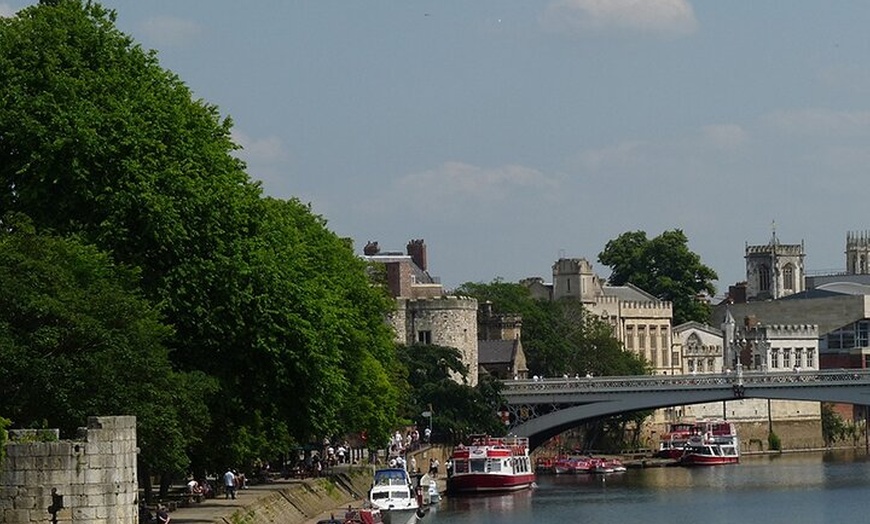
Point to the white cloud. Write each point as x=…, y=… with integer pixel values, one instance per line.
x=622, y=155
x=656, y=17
x=170, y=31
x=820, y=122
x=266, y=150
x=7, y=11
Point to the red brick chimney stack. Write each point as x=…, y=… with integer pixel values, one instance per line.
x=417, y=252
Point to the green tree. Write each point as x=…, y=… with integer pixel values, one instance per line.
x=559, y=337
x=664, y=267
x=77, y=339
x=100, y=142
x=457, y=408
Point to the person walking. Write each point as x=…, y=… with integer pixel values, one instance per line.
x=230, y=484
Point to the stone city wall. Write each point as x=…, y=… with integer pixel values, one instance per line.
x=94, y=476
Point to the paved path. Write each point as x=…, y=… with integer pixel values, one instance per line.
x=211, y=510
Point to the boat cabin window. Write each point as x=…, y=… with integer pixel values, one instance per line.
x=495, y=466
x=478, y=465
x=460, y=466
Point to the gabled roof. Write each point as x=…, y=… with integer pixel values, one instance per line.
x=629, y=293
x=496, y=351
x=688, y=326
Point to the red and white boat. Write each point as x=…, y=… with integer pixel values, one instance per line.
x=713, y=443
x=673, y=441
x=491, y=464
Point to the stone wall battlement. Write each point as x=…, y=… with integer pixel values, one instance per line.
x=94, y=475
x=781, y=249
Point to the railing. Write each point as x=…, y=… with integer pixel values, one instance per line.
x=647, y=382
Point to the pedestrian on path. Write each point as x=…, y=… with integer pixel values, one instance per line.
x=230, y=484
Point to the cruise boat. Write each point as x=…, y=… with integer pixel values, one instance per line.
x=673, y=440
x=491, y=464
x=713, y=443
x=395, y=496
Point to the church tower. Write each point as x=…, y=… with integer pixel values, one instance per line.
x=858, y=253
x=774, y=270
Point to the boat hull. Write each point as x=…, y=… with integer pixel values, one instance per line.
x=488, y=483
x=695, y=459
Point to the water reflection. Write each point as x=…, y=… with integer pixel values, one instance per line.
x=799, y=488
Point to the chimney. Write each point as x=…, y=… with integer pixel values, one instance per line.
x=417, y=252
x=371, y=249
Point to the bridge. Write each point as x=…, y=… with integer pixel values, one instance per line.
x=541, y=409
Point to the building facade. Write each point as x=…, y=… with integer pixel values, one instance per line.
x=640, y=321
x=424, y=314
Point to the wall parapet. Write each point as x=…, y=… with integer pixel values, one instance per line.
x=94, y=475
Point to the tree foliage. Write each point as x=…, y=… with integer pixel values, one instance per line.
x=100, y=142
x=664, y=267
x=457, y=409
x=77, y=339
x=561, y=337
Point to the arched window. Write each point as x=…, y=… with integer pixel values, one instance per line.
x=764, y=278
x=788, y=277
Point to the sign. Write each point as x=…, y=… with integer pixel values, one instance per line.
x=427, y=414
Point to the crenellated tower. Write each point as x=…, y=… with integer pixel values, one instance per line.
x=774, y=270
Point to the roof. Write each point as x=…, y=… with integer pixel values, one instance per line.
x=687, y=326
x=629, y=293
x=496, y=351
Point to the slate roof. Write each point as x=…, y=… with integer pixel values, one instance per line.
x=495, y=351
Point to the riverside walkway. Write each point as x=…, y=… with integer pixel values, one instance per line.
x=219, y=509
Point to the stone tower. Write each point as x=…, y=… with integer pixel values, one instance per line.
x=574, y=278
x=858, y=253
x=774, y=270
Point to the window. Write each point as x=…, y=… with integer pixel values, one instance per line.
x=424, y=337
x=653, y=338
x=764, y=278
x=641, y=338
x=629, y=337
x=788, y=277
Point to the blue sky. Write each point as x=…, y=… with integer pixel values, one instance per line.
x=510, y=133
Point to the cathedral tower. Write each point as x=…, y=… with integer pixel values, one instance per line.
x=774, y=270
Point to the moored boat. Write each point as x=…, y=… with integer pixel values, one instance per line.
x=714, y=443
x=396, y=497
x=362, y=516
x=673, y=440
x=491, y=464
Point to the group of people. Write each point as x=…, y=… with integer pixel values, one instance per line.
x=233, y=482
x=199, y=489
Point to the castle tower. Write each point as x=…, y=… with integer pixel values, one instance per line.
x=858, y=253
x=774, y=270
x=574, y=278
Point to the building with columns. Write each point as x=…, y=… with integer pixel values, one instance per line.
x=640, y=321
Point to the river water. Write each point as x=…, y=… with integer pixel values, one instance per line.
x=796, y=488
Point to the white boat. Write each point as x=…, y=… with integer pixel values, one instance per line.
x=491, y=464
x=395, y=495
x=714, y=444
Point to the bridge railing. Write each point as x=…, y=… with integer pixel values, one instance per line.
x=745, y=378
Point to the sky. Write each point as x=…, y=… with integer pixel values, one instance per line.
x=510, y=133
